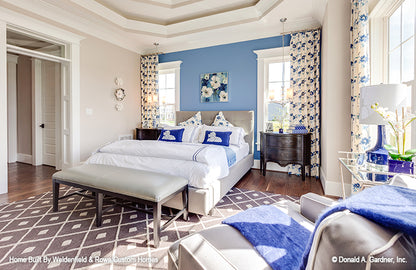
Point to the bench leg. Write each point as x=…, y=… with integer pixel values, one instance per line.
x=55, y=189
x=99, y=207
x=185, y=203
x=157, y=214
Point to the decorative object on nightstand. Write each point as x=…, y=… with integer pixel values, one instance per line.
x=392, y=96
x=285, y=149
x=147, y=133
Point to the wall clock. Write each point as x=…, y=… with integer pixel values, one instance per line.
x=120, y=94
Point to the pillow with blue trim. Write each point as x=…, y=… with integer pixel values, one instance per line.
x=220, y=121
x=193, y=121
x=217, y=137
x=171, y=135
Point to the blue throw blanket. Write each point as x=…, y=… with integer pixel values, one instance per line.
x=390, y=206
x=231, y=156
x=278, y=238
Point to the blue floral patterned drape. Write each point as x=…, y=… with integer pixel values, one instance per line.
x=305, y=50
x=360, y=71
x=149, y=91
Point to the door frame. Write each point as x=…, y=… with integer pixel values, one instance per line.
x=70, y=92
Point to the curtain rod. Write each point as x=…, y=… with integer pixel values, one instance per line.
x=310, y=29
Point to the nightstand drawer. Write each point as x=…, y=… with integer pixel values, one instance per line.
x=284, y=141
x=284, y=154
x=147, y=133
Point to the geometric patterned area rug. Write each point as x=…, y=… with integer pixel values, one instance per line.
x=34, y=237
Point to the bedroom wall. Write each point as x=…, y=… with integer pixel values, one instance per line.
x=238, y=59
x=336, y=92
x=101, y=63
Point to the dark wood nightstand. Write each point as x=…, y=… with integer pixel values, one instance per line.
x=285, y=149
x=147, y=133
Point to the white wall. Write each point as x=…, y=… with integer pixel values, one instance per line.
x=336, y=92
x=101, y=63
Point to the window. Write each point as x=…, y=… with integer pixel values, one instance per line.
x=169, y=77
x=276, y=100
x=392, y=25
x=273, y=81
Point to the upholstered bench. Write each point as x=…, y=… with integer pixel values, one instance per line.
x=133, y=186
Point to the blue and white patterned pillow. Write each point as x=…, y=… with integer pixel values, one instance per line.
x=220, y=121
x=171, y=135
x=217, y=137
x=193, y=121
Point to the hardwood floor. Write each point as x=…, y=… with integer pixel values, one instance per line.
x=26, y=180
x=280, y=183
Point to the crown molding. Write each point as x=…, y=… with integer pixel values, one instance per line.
x=172, y=4
x=220, y=20
x=62, y=19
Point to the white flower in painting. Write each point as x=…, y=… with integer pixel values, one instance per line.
x=212, y=137
x=206, y=91
x=223, y=96
x=225, y=80
x=206, y=77
x=215, y=82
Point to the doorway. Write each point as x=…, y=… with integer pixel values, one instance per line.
x=34, y=106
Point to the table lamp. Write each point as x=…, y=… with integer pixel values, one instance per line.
x=390, y=96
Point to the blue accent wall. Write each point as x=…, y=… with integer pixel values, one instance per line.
x=238, y=59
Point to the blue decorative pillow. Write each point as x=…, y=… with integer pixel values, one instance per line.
x=217, y=137
x=171, y=135
x=220, y=121
x=193, y=121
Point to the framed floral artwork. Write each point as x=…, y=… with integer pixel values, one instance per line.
x=214, y=87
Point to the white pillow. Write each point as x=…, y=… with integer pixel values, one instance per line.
x=193, y=121
x=220, y=121
x=237, y=135
x=188, y=133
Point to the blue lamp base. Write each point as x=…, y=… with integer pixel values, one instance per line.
x=378, y=155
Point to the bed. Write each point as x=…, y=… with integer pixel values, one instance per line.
x=164, y=157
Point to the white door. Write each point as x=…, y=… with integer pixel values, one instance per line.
x=50, y=90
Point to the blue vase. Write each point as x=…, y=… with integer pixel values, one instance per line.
x=400, y=166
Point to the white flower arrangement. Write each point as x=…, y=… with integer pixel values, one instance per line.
x=398, y=123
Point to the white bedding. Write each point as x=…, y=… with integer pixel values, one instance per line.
x=199, y=163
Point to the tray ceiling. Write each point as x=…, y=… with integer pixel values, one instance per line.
x=175, y=24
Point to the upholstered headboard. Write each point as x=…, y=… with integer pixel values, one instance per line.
x=244, y=119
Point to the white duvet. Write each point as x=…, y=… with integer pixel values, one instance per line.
x=199, y=163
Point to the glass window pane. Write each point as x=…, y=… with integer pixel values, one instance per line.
x=287, y=71
x=275, y=91
x=408, y=60
x=34, y=43
x=162, y=81
x=170, y=80
x=394, y=29
x=408, y=18
x=275, y=72
x=394, y=66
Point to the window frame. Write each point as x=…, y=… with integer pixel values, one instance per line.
x=173, y=67
x=264, y=58
x=379, y=55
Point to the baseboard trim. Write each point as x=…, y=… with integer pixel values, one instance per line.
x=24, y=158
x=270, y=166
x=334, y=188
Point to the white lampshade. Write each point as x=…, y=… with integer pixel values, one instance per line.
x=390, y=96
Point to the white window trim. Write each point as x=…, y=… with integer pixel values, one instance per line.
x=379, y=51
x=173, y=67
x=264, y=57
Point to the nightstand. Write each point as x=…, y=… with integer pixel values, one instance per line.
x=147, y=133
x=285, y=149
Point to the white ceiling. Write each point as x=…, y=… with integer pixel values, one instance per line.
x=175, y=24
